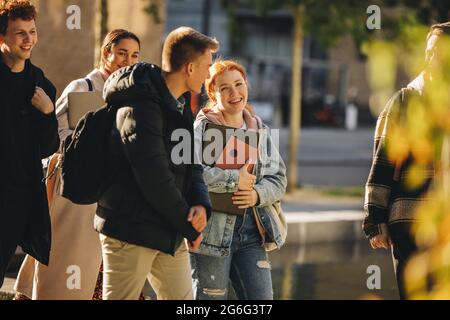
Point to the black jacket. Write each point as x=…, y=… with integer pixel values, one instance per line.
x=44, y=139
x=148, y=200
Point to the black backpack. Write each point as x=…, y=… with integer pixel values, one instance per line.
x=85, y=169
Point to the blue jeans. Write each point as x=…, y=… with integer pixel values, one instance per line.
x=247, y=267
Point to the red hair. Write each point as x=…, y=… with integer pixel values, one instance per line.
x=218, y=68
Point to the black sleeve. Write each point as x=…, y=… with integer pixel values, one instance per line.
x=143, y=145
x=47, y=124
x=198, y=191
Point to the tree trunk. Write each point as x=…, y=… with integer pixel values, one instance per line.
x=103, y=19
x=295, y=119
x=206, y=17
x=101, y=27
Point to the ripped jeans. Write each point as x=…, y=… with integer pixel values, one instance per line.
x=247, y=267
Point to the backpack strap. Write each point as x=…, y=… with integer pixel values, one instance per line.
x=89, y=82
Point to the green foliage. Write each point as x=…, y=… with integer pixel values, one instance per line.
x=424, y=134
x=427, y=12
x=329, y=20
x=326, y=20
x=356, y=192
x=152, y=9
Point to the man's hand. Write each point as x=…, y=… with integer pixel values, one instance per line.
x=42, y=102
x=245, y=199
x=381, y=241
x=196, y=244
x=246, y=180
x=197, y=217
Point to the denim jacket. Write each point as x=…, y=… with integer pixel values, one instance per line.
x=271, y=182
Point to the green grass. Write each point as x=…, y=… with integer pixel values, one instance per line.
x=344, y=191
x=6, y=296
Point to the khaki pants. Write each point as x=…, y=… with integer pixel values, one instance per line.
x=126, y=266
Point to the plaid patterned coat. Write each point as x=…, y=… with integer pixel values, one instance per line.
x=388, y=198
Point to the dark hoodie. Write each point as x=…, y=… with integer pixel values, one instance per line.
x=26, y=137
x=148, y=201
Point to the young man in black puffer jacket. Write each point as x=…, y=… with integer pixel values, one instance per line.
x=154, y=201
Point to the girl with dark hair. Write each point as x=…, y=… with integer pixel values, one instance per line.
x=76, y=256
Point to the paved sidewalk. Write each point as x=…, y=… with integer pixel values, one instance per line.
x=6, y=292
x=331, y=157
x=313, y=219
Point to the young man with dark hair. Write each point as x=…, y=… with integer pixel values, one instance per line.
x=29, y=133
x=391, y=202
x=154, y=201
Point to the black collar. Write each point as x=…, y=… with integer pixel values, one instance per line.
x=168, y=99
x=6, y=69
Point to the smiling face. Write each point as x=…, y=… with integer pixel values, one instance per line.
x=123, y=54
x=19, y=40
x=231, y=92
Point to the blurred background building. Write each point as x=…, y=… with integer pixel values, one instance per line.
x=332, y=77
x=265, y=48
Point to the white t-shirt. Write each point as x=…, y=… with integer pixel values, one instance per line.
x=79, y=85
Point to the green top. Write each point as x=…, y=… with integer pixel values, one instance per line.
x=180, y=104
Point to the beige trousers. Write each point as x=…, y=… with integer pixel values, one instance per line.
x=126, y=266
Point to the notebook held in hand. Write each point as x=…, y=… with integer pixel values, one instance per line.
x=234, y=147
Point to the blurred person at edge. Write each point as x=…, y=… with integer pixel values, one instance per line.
x=390, y=203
